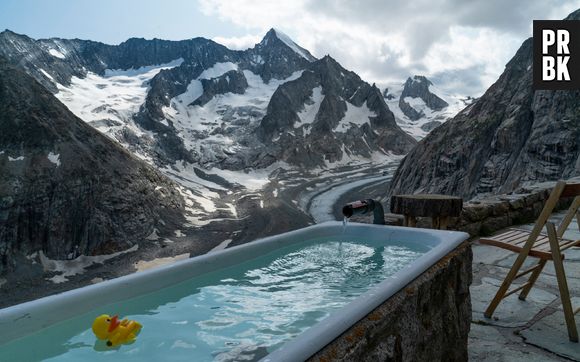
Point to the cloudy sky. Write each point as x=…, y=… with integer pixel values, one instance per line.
x=461, y=45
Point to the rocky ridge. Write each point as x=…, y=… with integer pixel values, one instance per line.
x=510, y=137
x=65, y=188
x=187, y=109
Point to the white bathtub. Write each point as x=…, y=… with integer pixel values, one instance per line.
x=24, y=319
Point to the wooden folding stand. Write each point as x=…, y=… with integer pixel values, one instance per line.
x=544, y=246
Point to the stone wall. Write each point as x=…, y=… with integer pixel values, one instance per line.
x=485, y=216
x=428, y=320
x=488, y=215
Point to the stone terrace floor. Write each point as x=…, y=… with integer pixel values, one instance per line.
x=531, y=330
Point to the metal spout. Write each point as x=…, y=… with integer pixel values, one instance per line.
x=362, y=207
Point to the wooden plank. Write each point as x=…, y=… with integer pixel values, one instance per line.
x=520, y=240
x=527, y=271
x=511, y=232
x=572, y=210
x=537, y=270
x=443, y=222
x=516, y=249
x=538, y=242
x=513, y=238
x=426, y=205
x=543, y=245
x=562, y=284
x=569, y=244
x=516, y=290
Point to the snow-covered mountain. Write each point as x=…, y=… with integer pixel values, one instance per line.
x=420, y=107
x=196, y=104
x=243, y=135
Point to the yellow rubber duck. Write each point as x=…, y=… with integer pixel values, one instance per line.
x=114, y=331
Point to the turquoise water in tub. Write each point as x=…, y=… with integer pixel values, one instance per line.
x=240, y=313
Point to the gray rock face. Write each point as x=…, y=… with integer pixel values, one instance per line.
x=430, y=126
x=65, y=189
x=330, y=130
x=273, y=57
x=510, y=136
x=418, y=86
x=233, y=81
x=409, y=111
x=388, y=95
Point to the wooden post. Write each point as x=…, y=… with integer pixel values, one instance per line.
x=562, y=283
x=438, y=207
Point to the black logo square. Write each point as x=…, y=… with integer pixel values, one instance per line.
x=556, y=54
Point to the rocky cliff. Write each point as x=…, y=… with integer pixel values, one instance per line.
x=509, y=137
x=329, y=114
x=65, y=189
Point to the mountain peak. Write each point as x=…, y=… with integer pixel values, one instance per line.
x=420, y=87
x=418, y=79
x=274, y=36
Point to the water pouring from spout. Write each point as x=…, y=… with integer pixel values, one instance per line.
x=362, y=207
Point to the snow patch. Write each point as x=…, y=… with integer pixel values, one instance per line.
x=308, y=114
x=110, y=102
x=68, y=268
x=46, y=74
x=195, y=89
x=19, y=158
x=252, y=180
x=55, y=53
x=178, y=234
x=295, y=47
x=224, y=244
x=54, y=158
x=143, y=265
x=132, y=72
x=355, y=116
x=197, y=125
x=217, y=70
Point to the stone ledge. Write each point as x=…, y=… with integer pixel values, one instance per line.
x=483, y=217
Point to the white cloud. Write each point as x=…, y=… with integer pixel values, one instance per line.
x=239, y=42
x=385, y=41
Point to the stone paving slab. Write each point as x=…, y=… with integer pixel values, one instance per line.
x=550, y=333
x=511, y=312
x=488, y=344
x=531, y=330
